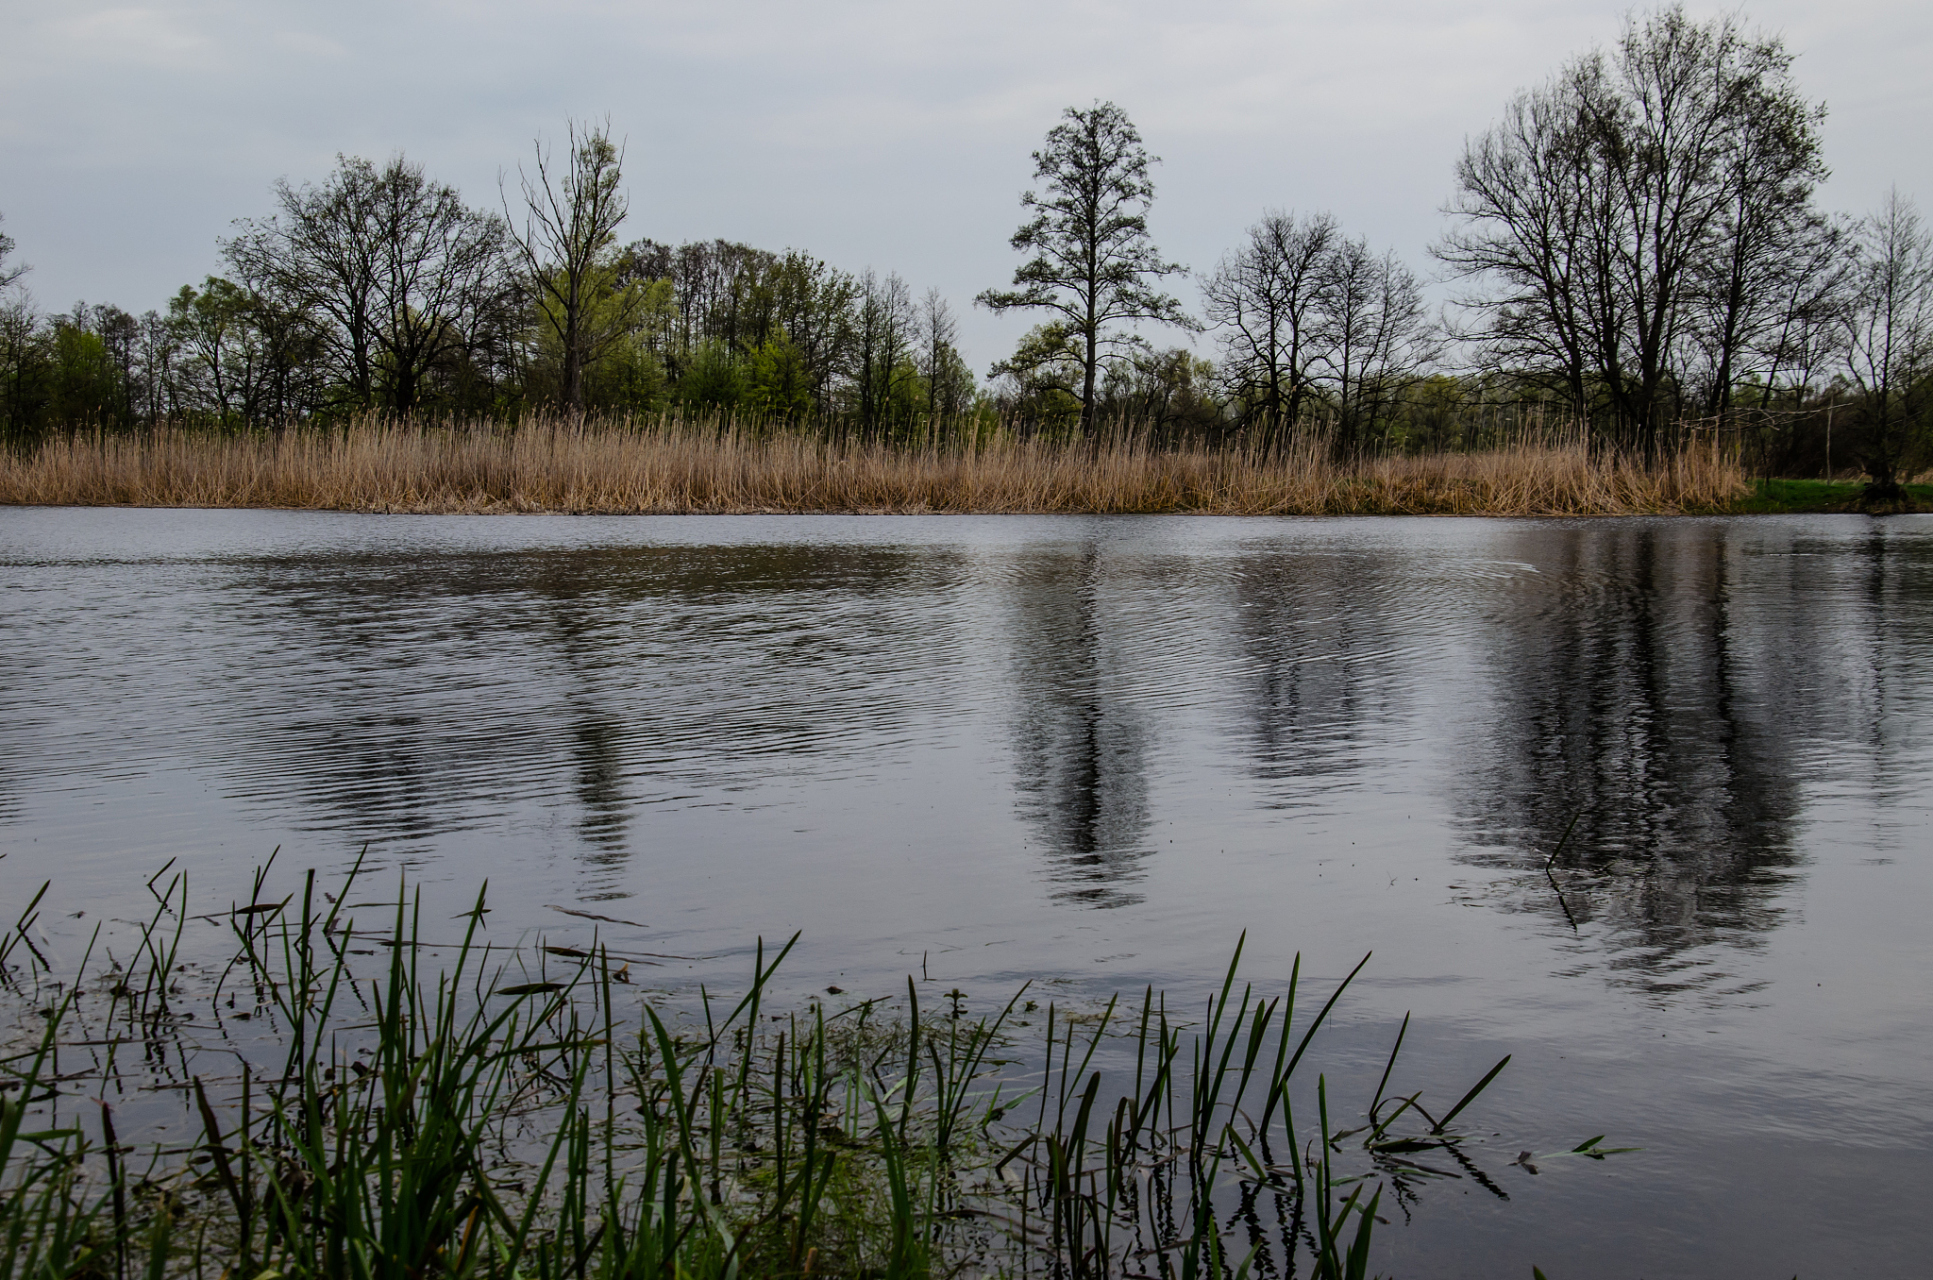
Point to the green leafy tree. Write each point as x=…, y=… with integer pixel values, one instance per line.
x=745, y=297
x=882, y=340
x=1042, y=379
x=1169, y=393
x=120, y=335
x=86, y=387
x=628, y=375
x=26, y=370
x=778, y=383
x=814, y=304
x=714, y=378
x=1093, y=265
x=1437, y=406
x=221, y=362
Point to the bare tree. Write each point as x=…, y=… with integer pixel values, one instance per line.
x=1525, y=200
x=882, y=339
x=1809, y=306
x=1889, y=343
x=1372, y=337
x=569, y=227
x=949, y=383
x=397, y=270
x=1774, y=259
x=20, y=347
x=320, y=253
x=1094, y=264
x=9, y=275
x=1266, y=299
x=442, y=272
x=1639, y=208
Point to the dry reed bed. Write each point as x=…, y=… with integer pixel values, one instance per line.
x=676, y=469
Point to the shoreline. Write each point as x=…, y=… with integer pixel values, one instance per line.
x=1757, y=503
x=1714, y=514
x=678, y=468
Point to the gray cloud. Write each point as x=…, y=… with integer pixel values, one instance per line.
x=890, y=134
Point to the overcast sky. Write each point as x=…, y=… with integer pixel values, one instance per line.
x=895, y=135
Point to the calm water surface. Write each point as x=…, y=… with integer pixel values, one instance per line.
x=1093, y=751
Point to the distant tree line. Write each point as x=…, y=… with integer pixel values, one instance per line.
x=1636, y=246
x=381, y=290
x=1640, y=233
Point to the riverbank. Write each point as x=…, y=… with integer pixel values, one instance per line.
x=1804, y=497
x=675, y=467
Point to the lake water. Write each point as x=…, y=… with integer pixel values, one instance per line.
x=1091, y=752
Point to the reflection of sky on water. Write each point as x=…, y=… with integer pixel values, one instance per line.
x=946, y=741
x=1660, y=691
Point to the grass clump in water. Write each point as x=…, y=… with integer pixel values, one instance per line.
x=462, y=1109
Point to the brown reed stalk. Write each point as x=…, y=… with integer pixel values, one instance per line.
x=678, y=466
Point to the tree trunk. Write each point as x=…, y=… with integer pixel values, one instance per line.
x=1087, y=382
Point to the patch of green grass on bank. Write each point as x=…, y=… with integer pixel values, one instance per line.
x=1775, y=497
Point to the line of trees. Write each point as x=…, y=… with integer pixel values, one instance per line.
x=380, y=289
x=1636, y=245
x=1639, y=248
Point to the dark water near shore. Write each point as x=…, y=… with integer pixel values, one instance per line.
x=1093, y=751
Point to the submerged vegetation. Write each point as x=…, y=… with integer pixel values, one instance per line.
x=281, y=1107
x=673, y=465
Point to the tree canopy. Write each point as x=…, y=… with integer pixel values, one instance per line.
x=1094, y=265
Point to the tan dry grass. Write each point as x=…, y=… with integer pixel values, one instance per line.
x=676, y=468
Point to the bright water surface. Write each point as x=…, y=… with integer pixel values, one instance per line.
x=1092, y=751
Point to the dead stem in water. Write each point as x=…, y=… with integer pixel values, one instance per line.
x=675, y=467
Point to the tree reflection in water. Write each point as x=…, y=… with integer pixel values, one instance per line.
x=416, y=697
x=1080, y=750
x=1674, y=688
x=1654, y=696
